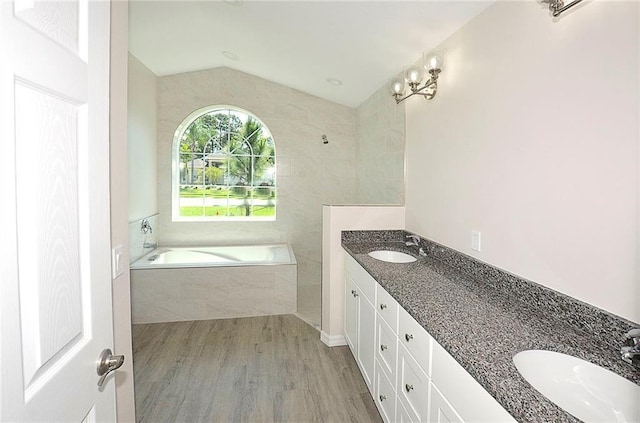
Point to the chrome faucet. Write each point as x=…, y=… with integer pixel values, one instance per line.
x=631, y=353
x=145, y=227
x=415, y=241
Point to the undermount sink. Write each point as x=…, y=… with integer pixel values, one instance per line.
x=392, y=256
x=585, y=390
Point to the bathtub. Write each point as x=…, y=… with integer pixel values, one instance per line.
x=201, y=283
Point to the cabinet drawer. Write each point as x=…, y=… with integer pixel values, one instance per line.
x=385, y=395
x=387, y=307
x=413, y=385
x=360, y=277
x=416, y=339
x=387, y=348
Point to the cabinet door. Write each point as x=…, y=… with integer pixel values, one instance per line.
x=415, y=339
x=386, y=348
x=366, y=340
x=387, y=308
x=413, y=385
x=351, y=315
x=385, y=396
x=440, y=411
x=361, y=278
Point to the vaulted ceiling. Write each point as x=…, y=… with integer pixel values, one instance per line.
x=342, y=51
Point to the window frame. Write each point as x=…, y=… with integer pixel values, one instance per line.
x=175, y=168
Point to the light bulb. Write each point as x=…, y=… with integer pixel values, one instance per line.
x=435, y=60
x=397, y=86
x=414, y=74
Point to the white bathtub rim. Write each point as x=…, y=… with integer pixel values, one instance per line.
x=143, y=262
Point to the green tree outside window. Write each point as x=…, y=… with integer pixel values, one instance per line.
x=226, y=160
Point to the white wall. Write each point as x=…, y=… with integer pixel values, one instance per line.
x=336, y=219
x=534, y=141
x=143, y=199
x=310, y=173
x=380, y=138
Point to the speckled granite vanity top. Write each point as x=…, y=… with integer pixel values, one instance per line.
x=483, y=316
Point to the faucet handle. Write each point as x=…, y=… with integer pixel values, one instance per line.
x=633, y=333
x=634, y=336
x=145, y=226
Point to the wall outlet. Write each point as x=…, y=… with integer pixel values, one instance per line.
x=475, y=240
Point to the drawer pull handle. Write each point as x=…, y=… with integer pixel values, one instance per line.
x=383, y=347
x=383, y=306
x=408, y=337
x=408, y=387
x=354, y=293
x=382, y=398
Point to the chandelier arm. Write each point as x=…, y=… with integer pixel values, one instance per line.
x=557, y=12
x=432, y=82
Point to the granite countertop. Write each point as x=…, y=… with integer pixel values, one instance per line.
x=483, y=327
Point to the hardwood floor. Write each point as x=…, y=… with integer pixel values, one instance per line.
x=258, y=369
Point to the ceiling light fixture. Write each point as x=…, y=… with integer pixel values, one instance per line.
x=334, y=81
x=433, y=63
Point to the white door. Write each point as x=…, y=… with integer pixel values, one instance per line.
x=55, y=283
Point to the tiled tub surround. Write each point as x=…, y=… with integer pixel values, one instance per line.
x=218, y=292
x=483, y=316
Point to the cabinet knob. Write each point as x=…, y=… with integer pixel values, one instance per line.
x=354, y=293
x=408, y=387
x=382, y=398
x=383, y=347
x=383, y=306
x=408, y=337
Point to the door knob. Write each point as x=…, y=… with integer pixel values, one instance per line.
x=107, y=363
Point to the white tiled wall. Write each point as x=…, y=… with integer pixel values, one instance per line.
x=380, y=138
x=310, y=173
x=168, y=295
x=137, y=239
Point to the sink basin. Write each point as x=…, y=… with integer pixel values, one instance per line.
x=392, y=256
x=585, y=390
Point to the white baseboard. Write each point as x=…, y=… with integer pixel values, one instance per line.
x=332, y=340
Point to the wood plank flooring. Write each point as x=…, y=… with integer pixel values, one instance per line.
x=257, y=369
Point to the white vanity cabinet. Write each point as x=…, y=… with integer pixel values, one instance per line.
x=385, y=395
x=465, y=396
x=360, y=317
x=411, y=377
x=440, y=411
x=412, y=386
x=386, y=354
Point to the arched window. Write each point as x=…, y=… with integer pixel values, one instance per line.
x=224, y=167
